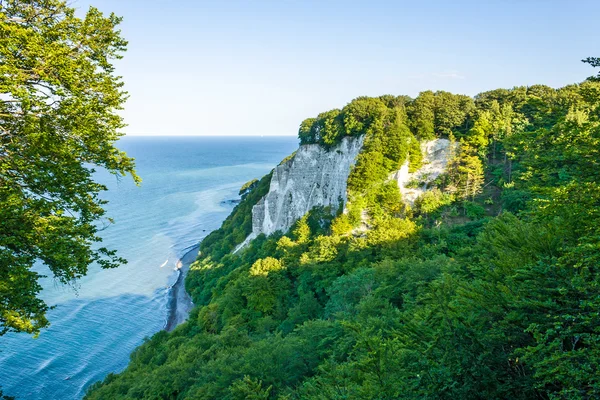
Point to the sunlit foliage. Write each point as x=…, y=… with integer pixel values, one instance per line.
x=486, y=288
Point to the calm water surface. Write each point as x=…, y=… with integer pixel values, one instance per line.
x=95, y=326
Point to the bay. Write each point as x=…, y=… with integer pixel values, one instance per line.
x=187, y=186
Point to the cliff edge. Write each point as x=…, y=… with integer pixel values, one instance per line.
x=314, y=176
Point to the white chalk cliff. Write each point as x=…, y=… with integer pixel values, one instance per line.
x=436, y=155
x=315, y=176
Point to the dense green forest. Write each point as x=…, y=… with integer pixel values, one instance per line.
x=487, y=288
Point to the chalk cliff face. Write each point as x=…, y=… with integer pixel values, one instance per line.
x=436, y=155
x=315, y=176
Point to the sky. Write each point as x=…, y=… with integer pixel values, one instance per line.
x=260, y=67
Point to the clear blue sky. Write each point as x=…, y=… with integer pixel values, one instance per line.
x=260, y=67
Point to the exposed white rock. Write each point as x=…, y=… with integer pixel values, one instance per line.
x=436, y=154
x=315, y=176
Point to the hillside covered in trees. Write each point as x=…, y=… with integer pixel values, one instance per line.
x=486, y=288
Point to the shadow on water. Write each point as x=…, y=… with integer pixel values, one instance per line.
x=63, y=361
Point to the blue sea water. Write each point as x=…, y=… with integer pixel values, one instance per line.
x=95, y=325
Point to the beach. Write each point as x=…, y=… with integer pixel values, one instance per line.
x=180, y=303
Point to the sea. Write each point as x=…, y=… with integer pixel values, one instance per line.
x=187, y=191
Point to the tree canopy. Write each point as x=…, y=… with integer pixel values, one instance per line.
x=594, y=62
x=486, y=288
x=59, y=103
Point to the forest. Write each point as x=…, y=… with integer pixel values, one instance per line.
x=487, y=288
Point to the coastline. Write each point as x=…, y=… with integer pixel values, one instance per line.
x=180, y=303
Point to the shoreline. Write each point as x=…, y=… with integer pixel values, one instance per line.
x=180, y=303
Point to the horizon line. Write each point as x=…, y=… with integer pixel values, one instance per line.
x=203, y=135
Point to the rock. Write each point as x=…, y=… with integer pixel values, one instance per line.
x=436, y=154
x=315, y=176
